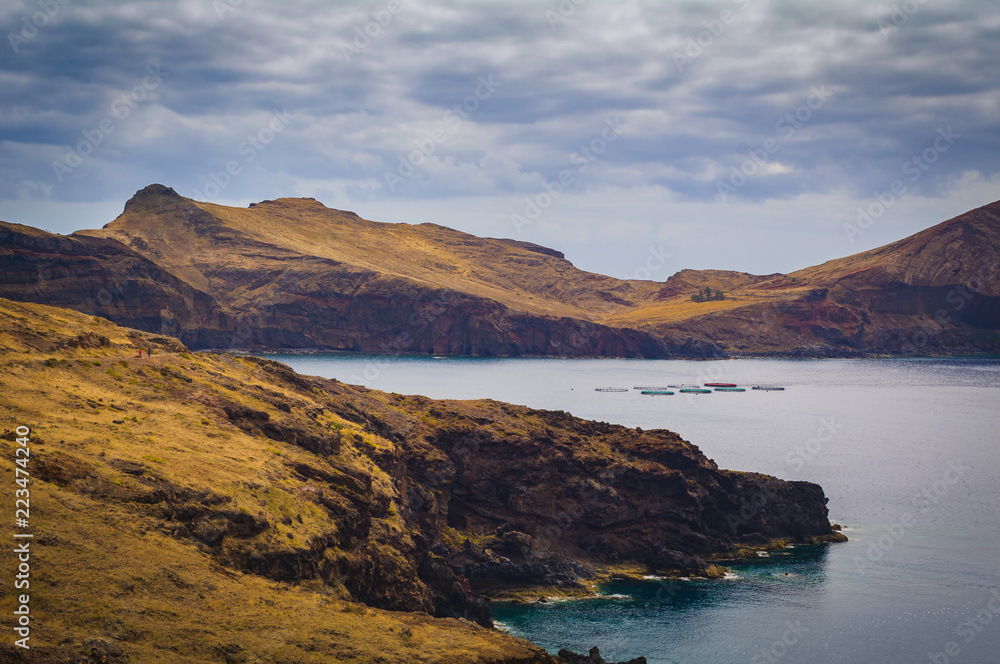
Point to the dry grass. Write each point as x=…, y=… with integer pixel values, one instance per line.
x=242, y=256
x=428, y=255
x=680, y=308
x=101, y=572
x=674, y=310
x=105, y=565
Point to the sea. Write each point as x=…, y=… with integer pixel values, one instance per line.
x=907, y=451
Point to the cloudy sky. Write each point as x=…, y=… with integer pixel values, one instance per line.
x=740, y=134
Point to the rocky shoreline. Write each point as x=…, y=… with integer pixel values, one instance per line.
x=342, y=503
x=593, y=657
x=802, y=354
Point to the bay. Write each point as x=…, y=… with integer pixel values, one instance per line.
x=908, y=453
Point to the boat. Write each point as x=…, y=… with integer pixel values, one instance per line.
x=684, y=387
x=695, y=390
x=650, y=387
x=611, y=389
x=730, y=389
x=656, y=392
x=769, y=388
x=720, y=384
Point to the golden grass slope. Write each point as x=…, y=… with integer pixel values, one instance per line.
x=961, y=250
x=189, y=238
x=108, y=432
x=254, y=257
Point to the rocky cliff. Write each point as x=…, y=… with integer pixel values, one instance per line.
x=103, y=277
x=293, y=274
x=936, y=292
x=196, y=500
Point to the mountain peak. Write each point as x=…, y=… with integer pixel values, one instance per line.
x=152, y=197
x=353, y=283
x=303, y=203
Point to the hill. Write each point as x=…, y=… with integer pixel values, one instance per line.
x=98, y=275
x=936, y=292
x=194, y=507
x=293, y=274
x=200, y=242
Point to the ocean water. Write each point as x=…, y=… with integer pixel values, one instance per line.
x=907, y=450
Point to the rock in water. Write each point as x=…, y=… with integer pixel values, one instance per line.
x=593, y=658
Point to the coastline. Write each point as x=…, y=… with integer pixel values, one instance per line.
x=631, y=571
x=239, y=468
x=770, y=355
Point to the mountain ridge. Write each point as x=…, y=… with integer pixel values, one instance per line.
x=306, y=276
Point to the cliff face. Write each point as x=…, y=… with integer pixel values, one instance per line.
x=540, y=498
x=294, y=274
x=104, y=278
x=936, y=292
x=291, y=273
x=185, y=470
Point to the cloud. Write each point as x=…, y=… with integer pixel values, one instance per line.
x=701, y=88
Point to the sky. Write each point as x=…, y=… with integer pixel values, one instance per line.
x=637, y=137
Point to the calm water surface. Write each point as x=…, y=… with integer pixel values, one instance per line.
x=907, y=450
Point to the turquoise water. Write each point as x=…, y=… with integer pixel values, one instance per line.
x=907, y=451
